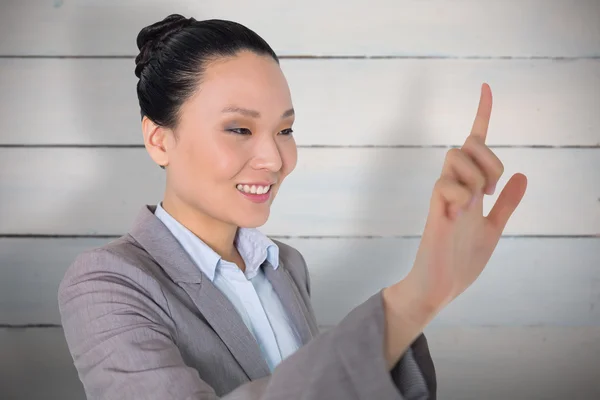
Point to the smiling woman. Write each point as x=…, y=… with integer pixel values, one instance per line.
x=195, y=303
x=215, y=145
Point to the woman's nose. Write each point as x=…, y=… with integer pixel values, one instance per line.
x=267, y=155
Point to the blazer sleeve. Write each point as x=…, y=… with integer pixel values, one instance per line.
x=414, y=374
x=120, y=341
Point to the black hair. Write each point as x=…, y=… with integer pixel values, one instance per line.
x=173, y=55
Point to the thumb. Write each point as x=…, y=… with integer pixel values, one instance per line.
x=507, y=202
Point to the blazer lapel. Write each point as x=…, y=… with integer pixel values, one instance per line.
x=287, y=291
x=227, y=323
x=221, y=315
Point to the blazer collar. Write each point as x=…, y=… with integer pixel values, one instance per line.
x=219, y=312
x=158, y=241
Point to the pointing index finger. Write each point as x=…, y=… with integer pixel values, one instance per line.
x=484, y=111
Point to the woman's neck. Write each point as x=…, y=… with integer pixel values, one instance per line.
x=217, y=234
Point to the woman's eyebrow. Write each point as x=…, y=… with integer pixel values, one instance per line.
x=253, y=113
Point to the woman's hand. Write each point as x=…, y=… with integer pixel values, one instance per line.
x=458, y=240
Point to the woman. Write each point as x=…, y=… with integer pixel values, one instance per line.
x=195, y=303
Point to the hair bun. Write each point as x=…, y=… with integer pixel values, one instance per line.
x=150, y=38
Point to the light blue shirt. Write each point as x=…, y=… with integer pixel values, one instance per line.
x=250, y=292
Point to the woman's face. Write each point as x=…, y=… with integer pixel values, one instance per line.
x=233, y=146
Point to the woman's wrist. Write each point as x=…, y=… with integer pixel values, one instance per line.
x=407, y=314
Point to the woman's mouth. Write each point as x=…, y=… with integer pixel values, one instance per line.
x=257, y=193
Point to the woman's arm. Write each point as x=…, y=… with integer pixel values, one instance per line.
x=401, y=370
x=122, y=347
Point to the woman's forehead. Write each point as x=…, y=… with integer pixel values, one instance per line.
x=251, y=82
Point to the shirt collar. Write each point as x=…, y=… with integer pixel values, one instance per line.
x=254, y=247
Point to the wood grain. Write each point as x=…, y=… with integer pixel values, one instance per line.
x=528, y=282
x=338, y=102
x=332, y=192
x=464, y=28
x=500, y=363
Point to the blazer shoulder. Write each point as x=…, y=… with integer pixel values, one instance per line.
x=122, y=258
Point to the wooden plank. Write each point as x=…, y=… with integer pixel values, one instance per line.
x=332, y=192
x=528, y=282
x=338, y=102
x=36, y=364
x=516, y=363
x=31, y=272
x=546, y=28
x=471, y=363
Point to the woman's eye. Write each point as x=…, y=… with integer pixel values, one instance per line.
x=240, y=131
x=245, y=131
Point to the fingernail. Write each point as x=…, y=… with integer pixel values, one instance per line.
x=491, y=189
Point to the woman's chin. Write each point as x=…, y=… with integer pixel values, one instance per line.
x=253, y=220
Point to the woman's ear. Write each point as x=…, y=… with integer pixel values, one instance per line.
x=155, y=141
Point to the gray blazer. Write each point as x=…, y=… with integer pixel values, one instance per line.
x=143, y=322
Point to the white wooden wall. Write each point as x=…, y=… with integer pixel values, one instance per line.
x=381, y=89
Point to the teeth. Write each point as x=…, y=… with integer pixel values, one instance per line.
x=253, y=189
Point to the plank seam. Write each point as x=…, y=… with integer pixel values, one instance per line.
x=317, y=237
x=329, y=57
x=26, y=326
x=326, y=327
x=310, y=146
